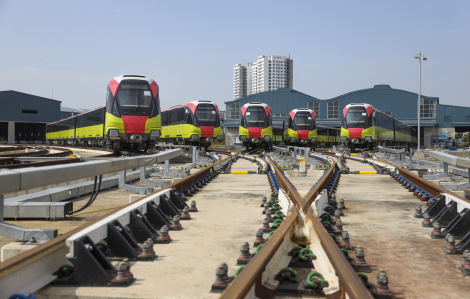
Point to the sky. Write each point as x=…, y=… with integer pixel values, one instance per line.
x=71, y=49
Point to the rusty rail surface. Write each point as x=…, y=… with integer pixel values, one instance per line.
x=251, y=276
x=27, y=257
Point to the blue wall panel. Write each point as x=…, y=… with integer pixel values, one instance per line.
x=13, y=103
x=402, y=104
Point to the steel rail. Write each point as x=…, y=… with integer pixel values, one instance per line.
x=35, y=153
x=433, y=189
x=28, y=257
x=250, y=276
x=39, y=164
x=252, y=272
x=348, y=277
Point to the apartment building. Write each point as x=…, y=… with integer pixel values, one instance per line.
x=266, y=74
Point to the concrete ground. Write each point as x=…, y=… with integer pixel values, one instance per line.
x=379, y=218
x=229, y=215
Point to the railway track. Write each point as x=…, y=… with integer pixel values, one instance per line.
x=301, y=250
x=8, y=161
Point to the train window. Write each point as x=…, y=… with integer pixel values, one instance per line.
x=357, y=118
x=173, y=117
x=206, y=115
x=109, y=101
x=255, y=116
x=164, y=118
x=134, y=95
x=303, y=121
x=187, y=116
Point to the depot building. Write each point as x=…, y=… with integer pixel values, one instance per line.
x=435, y=118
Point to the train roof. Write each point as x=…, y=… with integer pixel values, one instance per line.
x=193, y=105
x=294, y=112
x=116, y=81
x=256, y=104
x=77, y=115
x=266, y=107
x=369, y=109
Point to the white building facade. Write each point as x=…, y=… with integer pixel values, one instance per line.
x=266, y=74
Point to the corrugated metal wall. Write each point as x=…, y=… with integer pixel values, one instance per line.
x=13, y=103
x=402, y=104
x=453, y=116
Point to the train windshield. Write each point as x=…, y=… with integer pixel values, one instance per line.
x=357, y=117
x=206, y=115
x=134, y=98
x=255, y=116
x=303, y=121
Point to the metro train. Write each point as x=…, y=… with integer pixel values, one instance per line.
x=195, y=123
x=328, y=136
x=130, y=120
x=299, y=128
x=365, y=126
x=256, y=128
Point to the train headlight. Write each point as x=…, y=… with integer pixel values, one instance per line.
x=154, y=134
x=368, y=138
x=313, y=139
x=242, y=137
x=343, y=138
x=194, y=137
x=219, y=137
x=113, y=133
x=292, y=139
x=267, y=138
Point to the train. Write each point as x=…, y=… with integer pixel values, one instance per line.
x=364, y=126
x=195, y=123
x=300, y=129
x=130, y=120
x=256, y=126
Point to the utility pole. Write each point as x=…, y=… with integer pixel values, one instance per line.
x=420, y=57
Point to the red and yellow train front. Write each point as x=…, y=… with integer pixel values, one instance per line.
x=133, y=110
x=356, y=126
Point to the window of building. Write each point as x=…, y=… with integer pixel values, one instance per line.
x=333, y=109
x=29, y=111
x=233, y=110
x=428, y=108
x=315, y=106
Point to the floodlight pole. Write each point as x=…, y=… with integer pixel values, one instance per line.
x=420, y=57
